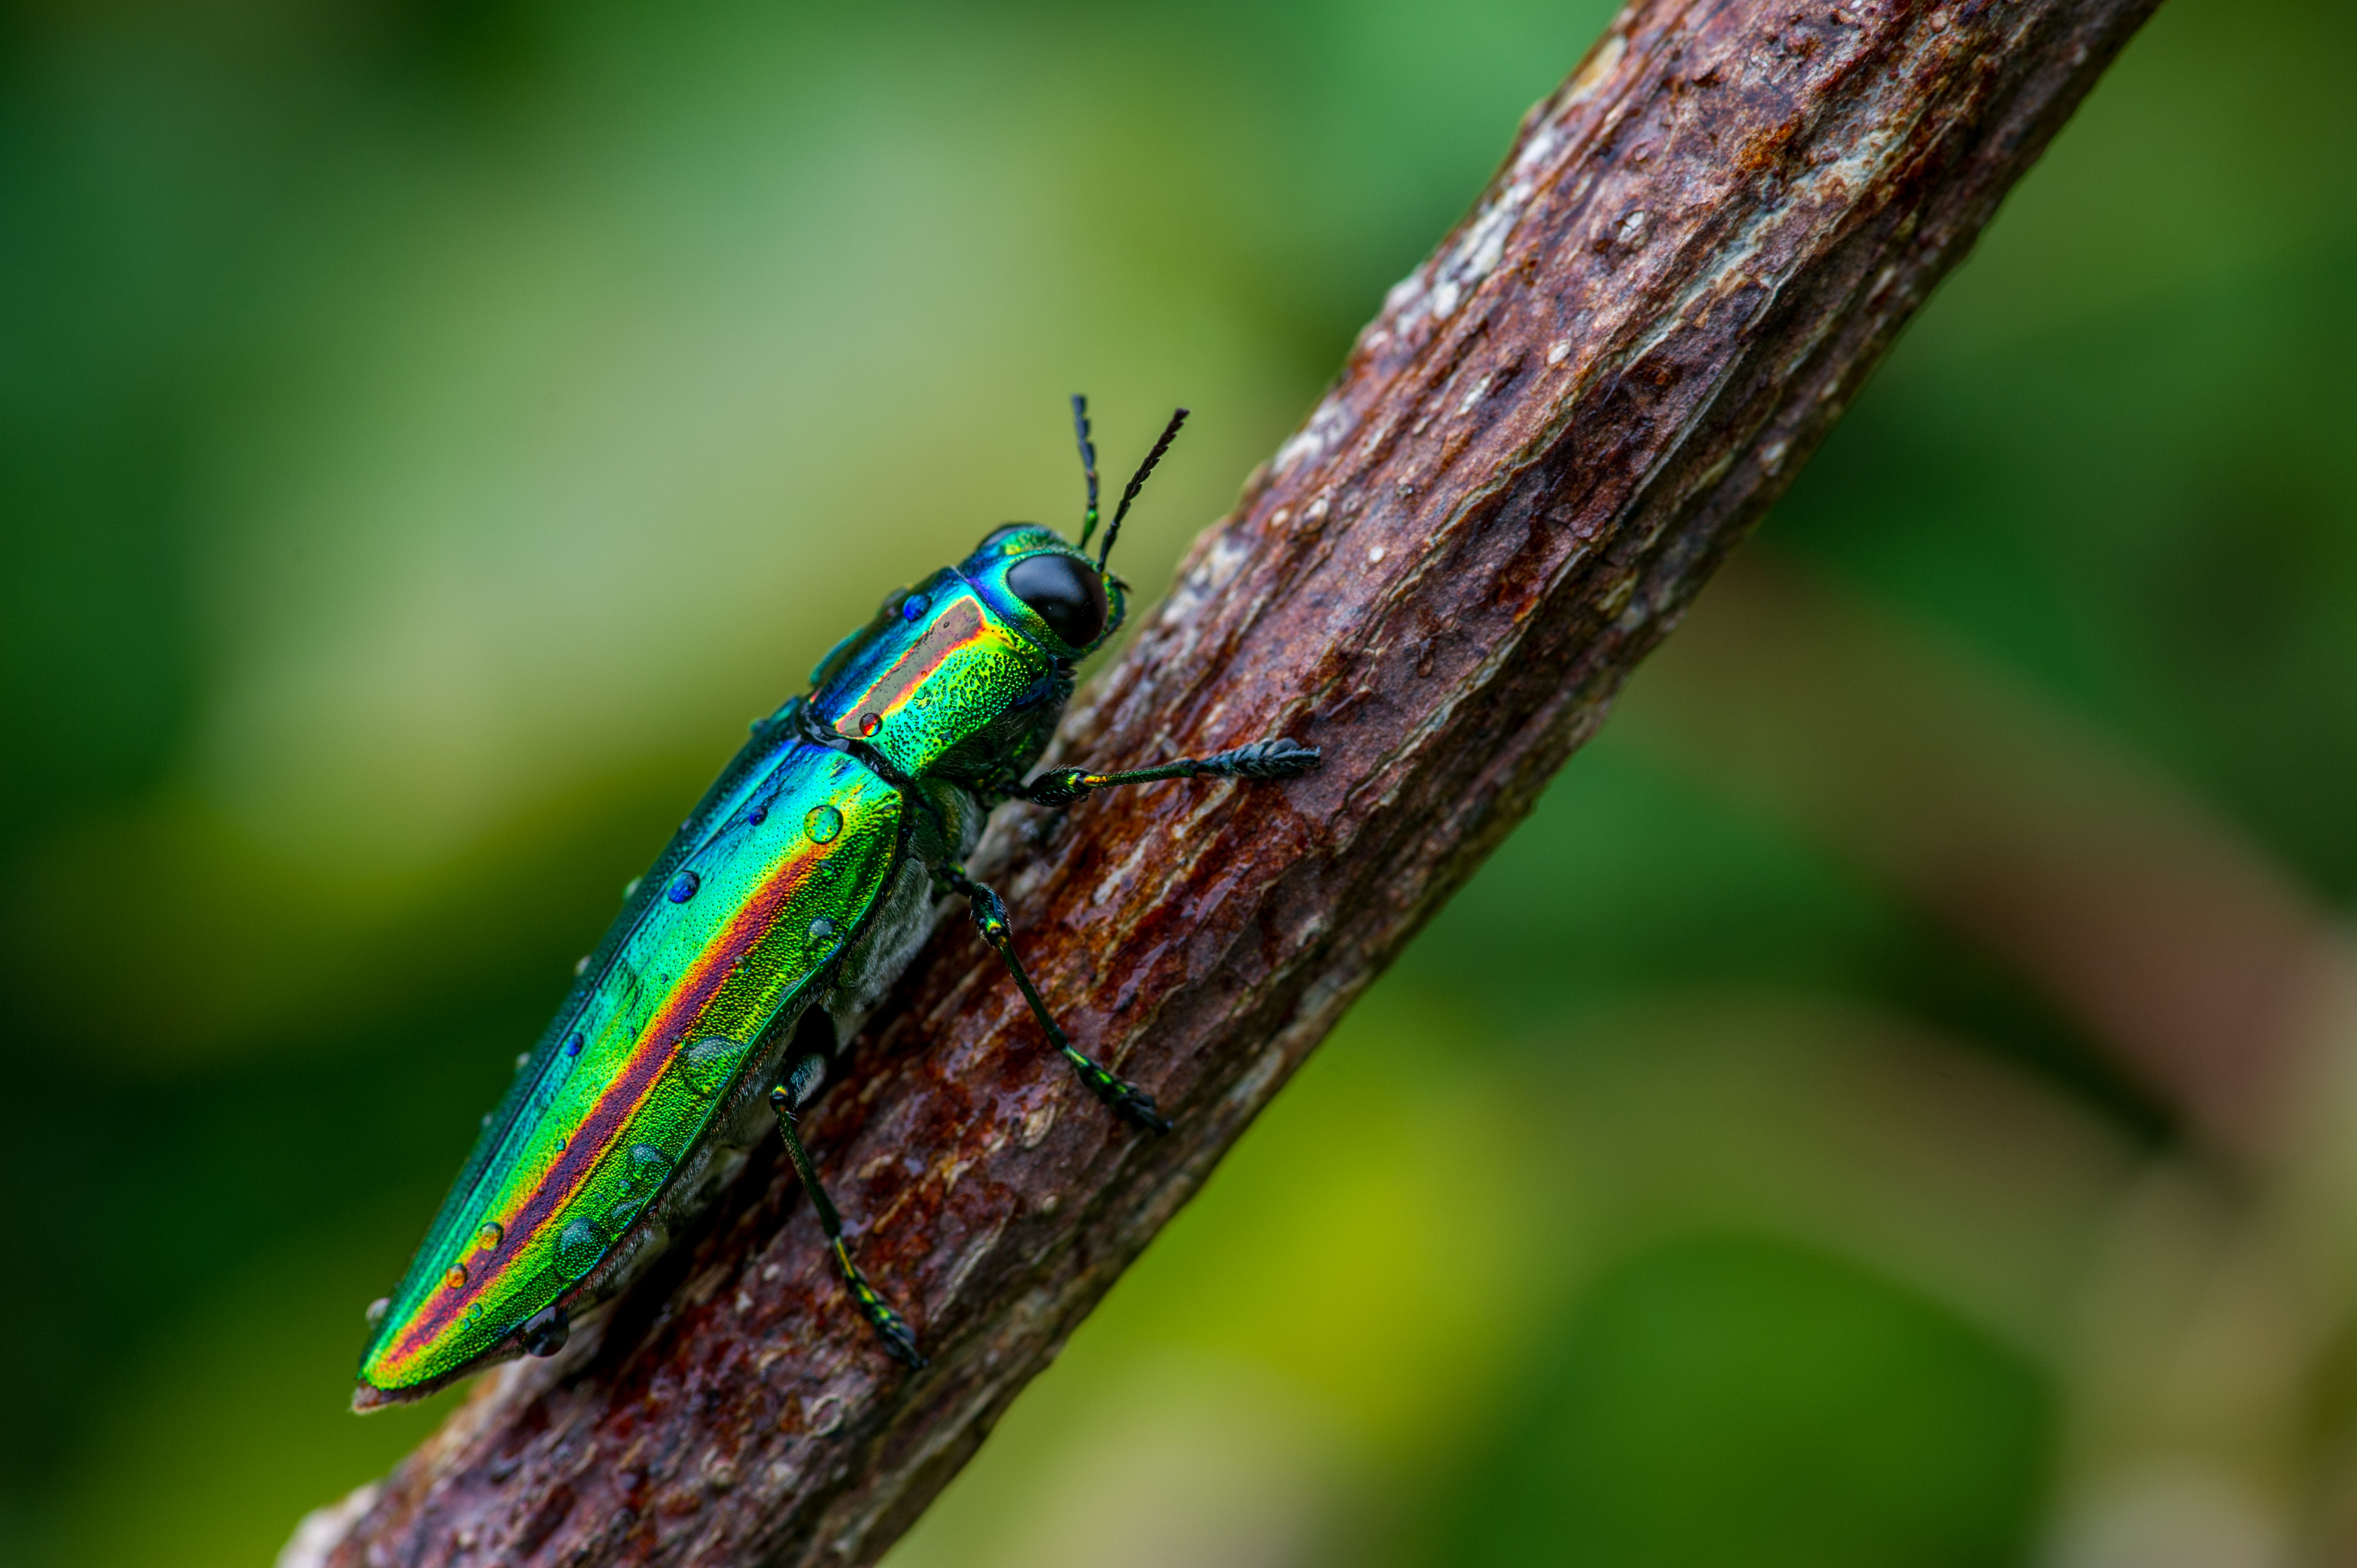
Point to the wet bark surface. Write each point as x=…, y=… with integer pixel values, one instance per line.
x=1695, y=254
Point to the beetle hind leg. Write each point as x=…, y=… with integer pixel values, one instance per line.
x=1123, y=1098
x=899, y=1339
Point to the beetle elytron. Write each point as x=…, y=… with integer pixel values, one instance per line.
x=787, y=902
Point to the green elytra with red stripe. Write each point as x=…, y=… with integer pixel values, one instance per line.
x=783, y=907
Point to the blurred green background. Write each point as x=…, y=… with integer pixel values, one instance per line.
x=429, y=429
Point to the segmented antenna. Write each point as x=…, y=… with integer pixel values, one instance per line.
x=1088, y=465
x=1137, y=483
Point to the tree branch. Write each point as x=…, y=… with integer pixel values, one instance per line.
x=1695, y=255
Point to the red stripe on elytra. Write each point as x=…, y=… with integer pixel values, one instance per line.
x=691, y=997
x=960, y=624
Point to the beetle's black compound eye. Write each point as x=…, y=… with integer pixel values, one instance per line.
x=1067, y=594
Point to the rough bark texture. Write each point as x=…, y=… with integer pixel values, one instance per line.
x=1695, y=254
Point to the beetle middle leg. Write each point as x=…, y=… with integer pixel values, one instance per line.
x=1124, y=1098
x=1277, y=758
x=899, y=1339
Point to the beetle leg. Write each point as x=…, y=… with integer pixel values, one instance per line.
x=1124, y=1098
x=899, y=1339
x=1279, y=759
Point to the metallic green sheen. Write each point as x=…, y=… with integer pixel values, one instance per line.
x=793, y=872
x=940, y=671
x=668, y=1011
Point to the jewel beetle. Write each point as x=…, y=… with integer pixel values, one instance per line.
x=792, y=896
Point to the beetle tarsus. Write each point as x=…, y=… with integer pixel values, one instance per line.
x=1281, y=757
x=899, y=1339
x=1123, y=1098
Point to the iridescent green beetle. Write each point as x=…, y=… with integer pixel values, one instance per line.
x=789, y=901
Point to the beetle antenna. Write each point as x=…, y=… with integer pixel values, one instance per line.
x=1088, y=465
x=1137, y=483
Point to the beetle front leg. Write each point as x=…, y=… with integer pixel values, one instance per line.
x=899, y=1339
x=1124, y=1098
x=1279, y=758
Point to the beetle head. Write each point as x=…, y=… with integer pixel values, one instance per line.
x=1047, y=590
x=1047, y=586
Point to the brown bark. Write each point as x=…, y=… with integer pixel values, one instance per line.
x=1694, y=256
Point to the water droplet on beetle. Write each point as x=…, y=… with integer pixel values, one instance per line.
x=578, y=1247
x=870, y=722
x=648, y=1165
x=824, y=937
x=822, y=823
x=573, y=1045
x=757, y=816
x=487, y=1120
x=545, y=1331
x=681, y=887
x=488, y=1235
x=457, y=1278
x=581, y=965
x=377, y=1309
x=631, y=888
x=914, y=607
x=708, y=1065
x=523, y=1061
x=474, y=1312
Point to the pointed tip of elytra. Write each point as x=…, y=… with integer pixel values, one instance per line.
x=367, y=1397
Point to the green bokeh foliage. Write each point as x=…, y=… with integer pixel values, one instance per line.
x=1731, y=1393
